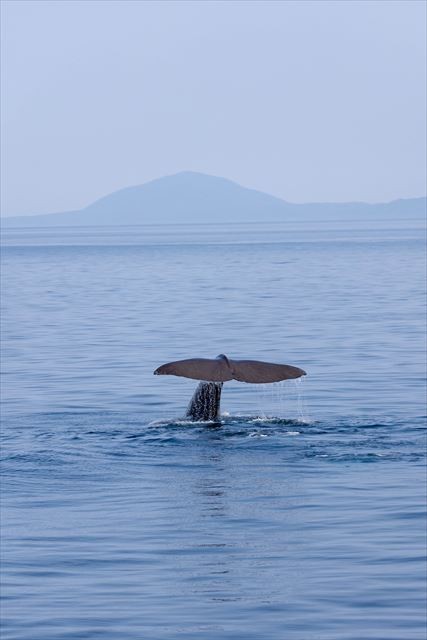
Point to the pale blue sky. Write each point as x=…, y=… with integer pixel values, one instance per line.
x=309, y=101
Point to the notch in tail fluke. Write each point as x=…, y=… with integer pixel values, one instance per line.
x=222, y=369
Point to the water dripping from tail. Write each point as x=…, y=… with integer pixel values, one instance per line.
x=301, y=402
x=273, y=399
x=276, y=400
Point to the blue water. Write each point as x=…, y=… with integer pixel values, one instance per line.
x=301, y=518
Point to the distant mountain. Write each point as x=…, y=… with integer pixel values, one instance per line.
x=190, y=197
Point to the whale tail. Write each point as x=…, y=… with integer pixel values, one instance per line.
x=213, y=372
x=222, y=369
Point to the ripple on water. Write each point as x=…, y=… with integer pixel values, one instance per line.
x=56, y=441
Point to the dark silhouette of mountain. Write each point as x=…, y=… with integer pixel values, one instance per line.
x=190, y=197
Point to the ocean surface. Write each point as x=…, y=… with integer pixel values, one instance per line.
x=300, y=517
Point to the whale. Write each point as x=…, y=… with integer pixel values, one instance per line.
x=213, y=372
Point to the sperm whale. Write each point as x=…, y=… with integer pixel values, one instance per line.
x=213, y=372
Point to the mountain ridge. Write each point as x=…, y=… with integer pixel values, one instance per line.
x=192, y=197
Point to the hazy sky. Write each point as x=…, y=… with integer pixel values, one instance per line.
x=309, y=101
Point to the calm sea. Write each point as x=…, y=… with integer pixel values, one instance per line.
x=301, y=518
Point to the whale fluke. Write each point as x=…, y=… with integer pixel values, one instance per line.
x=211, y=370
x=222, y=369
x=262, y=372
